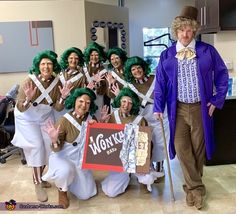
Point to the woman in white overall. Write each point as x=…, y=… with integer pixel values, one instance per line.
x=67, y=143
x=94, y=70
x=115, y=75
x=71, y=62
x=137, y=72
x=127, y=106
x=38, y=96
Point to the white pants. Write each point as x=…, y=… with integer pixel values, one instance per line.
x=30, y=134
x=67, y=176
x=115, y=183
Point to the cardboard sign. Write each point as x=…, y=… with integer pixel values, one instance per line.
x=103, y=146
x=146, y=167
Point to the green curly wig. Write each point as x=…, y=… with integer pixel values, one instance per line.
x=135, y=60
x=41, y=55
x=64, y=57
x=129, y=93
x=119, y=52
x=70, y=101
x=93, y=46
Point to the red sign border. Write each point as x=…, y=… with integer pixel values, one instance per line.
x=100, y=166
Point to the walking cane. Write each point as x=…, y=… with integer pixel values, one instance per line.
x=167, y=159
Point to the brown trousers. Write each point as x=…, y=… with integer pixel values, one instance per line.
x=189, y=143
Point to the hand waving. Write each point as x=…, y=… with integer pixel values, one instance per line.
x=29, y=90
x=52, y=131
x=104, y=114
x=65, y=90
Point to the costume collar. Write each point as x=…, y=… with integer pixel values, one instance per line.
x=71, y=71
x=43, y=79
x=96, y=65
x=119, y=71
x=191, y=45
x=142, y=81
x=124, y=115
x=77, y=115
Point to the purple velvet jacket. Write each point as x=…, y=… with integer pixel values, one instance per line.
x=213, y=83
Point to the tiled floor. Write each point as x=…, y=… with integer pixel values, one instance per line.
x=16, y=183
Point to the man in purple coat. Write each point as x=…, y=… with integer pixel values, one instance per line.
x=193, y=80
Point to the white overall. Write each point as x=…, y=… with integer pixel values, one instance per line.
x=29, y=133
x=147, y=178
x=65, y=168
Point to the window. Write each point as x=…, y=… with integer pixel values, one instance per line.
x=152, y=49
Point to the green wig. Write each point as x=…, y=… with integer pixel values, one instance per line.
x=70, y=101
x=129, y=93
x=135, y=60
x=64, y=57
x=41, y=55
x=117, y=51
x=93, y=46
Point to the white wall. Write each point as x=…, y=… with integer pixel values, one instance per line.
x=151, y=14
x=68, y=19
x=225, y=43
x=70, y=30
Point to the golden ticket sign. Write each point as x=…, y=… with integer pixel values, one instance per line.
x=104, y=143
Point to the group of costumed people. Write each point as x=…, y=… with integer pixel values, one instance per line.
x=59, y=98
x=191, y=78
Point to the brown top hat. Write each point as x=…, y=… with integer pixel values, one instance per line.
x=189, y=12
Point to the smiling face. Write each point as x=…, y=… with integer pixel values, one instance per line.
x=73, y=60
x=94, y=57
x=82, y=104
x=137, y=72
x=46, y=68
x=126, y=105
x=185, y=35
x=116, y=61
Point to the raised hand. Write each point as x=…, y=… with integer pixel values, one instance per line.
x=104, y=114
x=115, y=89
x=110, y=79
x=65, y=90
x=29, y=90
x=91, y=85
x=98, y=78
x=52, y=131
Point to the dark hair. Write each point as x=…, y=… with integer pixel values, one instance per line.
x=70, y=101
x=64, y=57
x=93, y=46
x=119, y=52
x=135, y=60
x=41, y=55
x=129, y=93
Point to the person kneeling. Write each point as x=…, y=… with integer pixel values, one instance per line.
x=67, y=144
